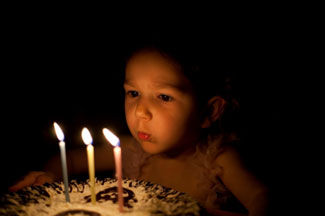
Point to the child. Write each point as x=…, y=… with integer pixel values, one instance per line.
x=174, y=112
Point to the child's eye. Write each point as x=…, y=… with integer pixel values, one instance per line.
x=165, y=97
x=132, y=93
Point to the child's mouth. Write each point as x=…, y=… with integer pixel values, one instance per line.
x=143, y=136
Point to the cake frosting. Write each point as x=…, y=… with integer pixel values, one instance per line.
x=140, y=198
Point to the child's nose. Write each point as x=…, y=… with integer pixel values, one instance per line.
x=142, y=110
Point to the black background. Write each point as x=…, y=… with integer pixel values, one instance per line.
x=73, y=75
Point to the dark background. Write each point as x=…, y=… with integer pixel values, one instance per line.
x=74, y=75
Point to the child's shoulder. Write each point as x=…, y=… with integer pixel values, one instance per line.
x=217, y=152
x=228, y=155
x=225, y=149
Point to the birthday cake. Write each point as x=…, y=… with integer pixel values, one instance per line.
x=140, y=198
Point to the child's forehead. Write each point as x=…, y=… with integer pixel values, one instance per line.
x=147, y=72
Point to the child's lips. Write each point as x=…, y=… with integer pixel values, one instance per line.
x=143, y=136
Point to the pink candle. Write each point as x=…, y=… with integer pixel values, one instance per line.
x=114, y=140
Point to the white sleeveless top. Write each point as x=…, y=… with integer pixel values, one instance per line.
x=214, y=195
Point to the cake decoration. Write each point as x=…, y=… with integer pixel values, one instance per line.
x=140, y=198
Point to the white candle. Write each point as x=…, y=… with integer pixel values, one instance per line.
x=114, y=140
x=60, y=136
x=91, y=162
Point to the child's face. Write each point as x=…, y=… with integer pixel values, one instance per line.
x=161, y=109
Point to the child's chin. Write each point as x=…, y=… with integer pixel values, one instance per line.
x=150, y=148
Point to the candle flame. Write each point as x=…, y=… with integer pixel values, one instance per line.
x=86, y=137
x=58, y=131
x=114, y=140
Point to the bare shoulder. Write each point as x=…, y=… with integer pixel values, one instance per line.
x=234, y=168
x=241, y=181
x=226, y=152
x=229, y=156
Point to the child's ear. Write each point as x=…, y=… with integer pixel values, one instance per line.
x=214, y=110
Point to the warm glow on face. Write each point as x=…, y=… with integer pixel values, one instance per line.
x=114, y=140
x=86, y=137
x=58, y=131
x=169, y=124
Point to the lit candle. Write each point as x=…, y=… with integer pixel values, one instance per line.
x=91, y=163
x=60, y=136
x=114, y=140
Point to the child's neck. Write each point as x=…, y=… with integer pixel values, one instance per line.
x=179, y=153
